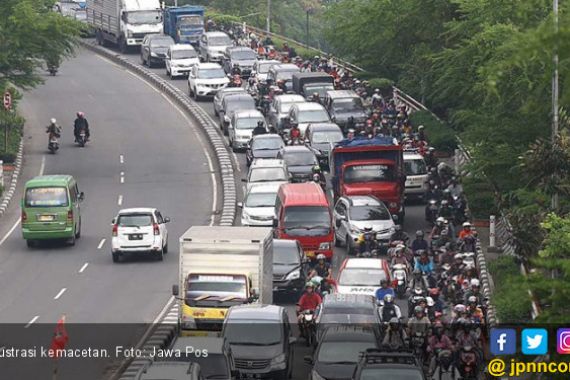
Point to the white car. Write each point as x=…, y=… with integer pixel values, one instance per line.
x=213, y=45
x=261, y=69
x=240, y=130
x=139, y=231
x=258, y=207
x=416, y=175
x=307, y=113
x=267, y=171
x=179, y=60
x=205, y=79
x=362, y=275
x=279, y=109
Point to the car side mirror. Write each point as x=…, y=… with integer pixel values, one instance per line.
x=240, y=204
x=308, y=359
x=166, y=220
x=81, y=196
x=114, y=221
x=244, y=180
x=275, y=223
x=175, y=290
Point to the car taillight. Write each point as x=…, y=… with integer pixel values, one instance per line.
x=156, y=229
x=24, y=216
x=115, y=229
x=70, y=215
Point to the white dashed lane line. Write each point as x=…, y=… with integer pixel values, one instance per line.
x=60, y=293
x=120, y=200
x=101, y=243
x=122, y=177
x=121, y=159
x=83, y=267
x=32, y=321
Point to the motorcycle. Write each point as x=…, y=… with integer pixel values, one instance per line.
x=431, y=211
x=308, y=327
x=468, y=244
x=317, y=179
x=52, y=69
x=400, y=276
x=235, y=81
x=417, y=344
x=53, y=144
x=467, y=365
x=82, y=138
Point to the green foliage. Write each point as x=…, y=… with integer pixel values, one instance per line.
x=510, y=296
x=384, y=84
x=440, y=135
x=550, y=283
x=14, y=124
x=481, y=197
x=556, y=244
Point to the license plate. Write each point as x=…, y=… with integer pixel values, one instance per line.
x=250, y=376
x=310, y=254
x=46, y=218
x=135, y=237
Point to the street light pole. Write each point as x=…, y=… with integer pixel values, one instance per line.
x=307, y=42
x=555, y=95
x=268, y=26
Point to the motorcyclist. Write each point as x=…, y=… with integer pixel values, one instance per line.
x=438, y=304
x=438, y=344
x=316, y=97
x=259, y=129
x=389, y=309
x=419, y=323
x=424, y=263
x=236, y=70
x=474, y=291
x=384, y=290
x=455, y=187
x=420, y=242
x=399, y=234
x=321, y=177
x=281, y=85
x=295, y=133
x=466, y=231
x=80, y=124
x=395, y=336
x=53, y=129
x=310, y=300
x=421, y=133
x=430, y=158
x=475, y=312
x=399, y=258
x=377, y=98
x=366, y=240
x=350, y=134
x=417, y=281
x=322, y=268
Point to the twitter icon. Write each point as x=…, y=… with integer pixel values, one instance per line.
x=534, y=341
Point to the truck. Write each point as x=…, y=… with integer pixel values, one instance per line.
x=124, y=22
x=184, y=24
x=221, y=267
x=370, y=166
x=307, y=83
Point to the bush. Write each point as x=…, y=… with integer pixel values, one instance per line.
x=510, y=297
x=481, y=197
x=440, y=135
x=384, y=84
x=15, y=124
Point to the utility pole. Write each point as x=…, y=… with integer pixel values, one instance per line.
x=268, y=26
x=307, y=42
x=555, y=107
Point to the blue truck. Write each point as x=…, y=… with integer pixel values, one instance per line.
x=184, y=24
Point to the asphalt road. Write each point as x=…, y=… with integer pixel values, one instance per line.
x=137, y=132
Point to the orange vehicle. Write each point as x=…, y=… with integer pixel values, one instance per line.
x=302, y=213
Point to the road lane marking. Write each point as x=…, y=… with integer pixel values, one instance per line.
x=237, y=162
x=101, y=243
x=122, y=177
x=43, y=165
x=121, y=159
x=120, y=200
x=60, y=293
x=83, y=267
x=32, y=321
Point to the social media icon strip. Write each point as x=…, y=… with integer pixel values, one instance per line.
x=563, y=341
x=534, y=341
x=504, y=341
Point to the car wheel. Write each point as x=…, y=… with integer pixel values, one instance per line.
x=165, y=249
x=234, y=149
x=190, y=93
x=216, y=113
x=30, y=243
x=160, y=255
x=149, y=62
x=71, y=240
x=116, y=257
x=78, y=231
x=349, y=251
x=143, y=62
x=123, y=46
x=195, y=95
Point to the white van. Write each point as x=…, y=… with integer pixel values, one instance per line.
x=416, y=175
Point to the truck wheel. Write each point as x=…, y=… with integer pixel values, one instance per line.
x=337, y=243
x=30, y=243
x=123, y=45
x=98, y=38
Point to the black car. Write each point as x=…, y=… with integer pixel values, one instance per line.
x=211, y=353
x=339, y=350
x=263, y=146
x=300, y=162
x=376, y=364
x=154, y=48
x=344, y=104
x=322, y=137
x=289, y=266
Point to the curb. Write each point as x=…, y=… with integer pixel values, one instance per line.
x=484, y=277
x=14, y=181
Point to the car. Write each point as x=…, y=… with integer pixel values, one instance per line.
x=322, y=137
x=231, y=104
x=263, y=146
x=344, y=104
x=261, y=341
x=279, y=109
x=213, y=354
x=416, y=175
x=339, y=350
x=352, y=213
x=261, y=69
x=206, y=79
x=171, y=370
x=303, y=114
x=213, y=45
x=283, y=72
x=258, y=206
x=139, y=231
x=154, y=48
x=240, y=129
x=337, y=308
x=222, y=93
x=241, y=56
x=300, y=162
x=266, y=171
x=179, y=60
x=289, y=267
x=359, y=275
x=379, y=364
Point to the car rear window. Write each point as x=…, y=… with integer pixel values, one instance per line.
x=135, y=220
x=46, y=197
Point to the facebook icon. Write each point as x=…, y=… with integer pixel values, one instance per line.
x=503, y=341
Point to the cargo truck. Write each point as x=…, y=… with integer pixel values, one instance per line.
x=221, y=267
x=124, y=22
x=364, y=166
x=308, y=83
x=184, y=24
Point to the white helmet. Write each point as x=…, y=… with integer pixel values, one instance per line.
x=53, y=121
x=466, y=224
x=321, y=256
x=475, y=282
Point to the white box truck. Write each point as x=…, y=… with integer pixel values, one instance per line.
x=221, y=267
x=124, y=22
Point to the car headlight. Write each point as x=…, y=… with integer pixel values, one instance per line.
x=279, y=359
x=325, y=246
x=315, y=376
x=129, y=34
x=294, y=275
x=188, y=322
x=392, y=205
x=153, y=54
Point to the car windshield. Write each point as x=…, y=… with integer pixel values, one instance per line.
x=189, y=21
x=260, y=200
x=135, y=220
x=212, y=366
x=284, y=107
x=161, y=42
x=306, y=221
x=320, y=89
x=211, y=73
x=300, y=159
x=242, y=105
x=315, y=116
x=267, y=175
x=390, y=373
x=267, y=144
x=144, y=17
x=361, y=277
x=263, y=68
x=415, y=167
x=349, y=317
x=243, y=55
x=219, y=41
x=327, y=137
x=286, y=74
x=81, y=14
x=248, y=122
x=335, y=352
x=368, y=173
x=347, y=104
x=362, y=213
x=46, y=197
x=252, y=332
x=287, y=255
x=184, y=54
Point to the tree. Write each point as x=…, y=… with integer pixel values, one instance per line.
x=29, y=33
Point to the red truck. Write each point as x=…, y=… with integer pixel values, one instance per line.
x=375, y=166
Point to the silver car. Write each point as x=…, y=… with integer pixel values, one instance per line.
x=221, y=94
x=279, y=109
x=353, y=213
x=258, y=207
x=240, y=130
x=267, y=171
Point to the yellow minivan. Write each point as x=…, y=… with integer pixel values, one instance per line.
x=50, y=209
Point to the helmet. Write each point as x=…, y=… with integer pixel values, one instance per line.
x=466, y=224
x=80, y=114
x=444, y=202
x=458, y=256
x=398, y=227
x=321, y=256
x=430, y=301
x=316, y=94
x=422, y=252
x=53, y=121
x=431, y=149
x=368, y=228
x=418, y=291
x=441, y=219
x=418, y=309
x=419, y=233
x=420, y=127
x=459, y=309
x=472, y=300
x=388, y=298
x=384, y=281
x=377, y=90
x=447, y=191
x=417, y=272
x=316, y=168
x=475, y=282
x=309, y=285
x=236, y=65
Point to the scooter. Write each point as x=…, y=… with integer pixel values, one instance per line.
x=53, y=144
x=400, y=276
x=431, y=211
x=52, y=69
x=82, y=138
x=308, y=328
x=467, y=365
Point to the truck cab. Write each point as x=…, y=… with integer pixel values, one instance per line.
x=308, y=83
x=184, y=24
x=344, y=104
x=416, y=175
